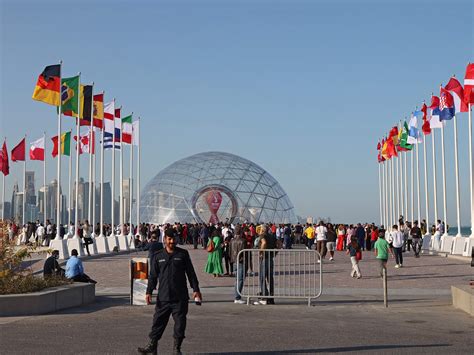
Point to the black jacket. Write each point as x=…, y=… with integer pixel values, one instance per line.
x=51, y=266
x=171, y=271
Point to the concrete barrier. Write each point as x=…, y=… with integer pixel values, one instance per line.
x=463, y=298
x=47, y=301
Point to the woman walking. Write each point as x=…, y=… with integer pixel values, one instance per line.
x=341, y=234
x=214, y=257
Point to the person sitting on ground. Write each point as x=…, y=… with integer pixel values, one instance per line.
x=51, y=266
x=155, y=245
x=75, y=270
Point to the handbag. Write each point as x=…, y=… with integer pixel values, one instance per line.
x=210, y=246
x=358, y=255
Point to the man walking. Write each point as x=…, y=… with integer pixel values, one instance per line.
x=415, y=233
x=238, y=244
x=397, y=242
x=170, y=265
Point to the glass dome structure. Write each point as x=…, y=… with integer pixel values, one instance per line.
x=215, y=187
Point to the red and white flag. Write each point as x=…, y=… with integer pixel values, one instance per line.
x=456, y=89
x=84, y=143
x=37, y=149
x=469, y=84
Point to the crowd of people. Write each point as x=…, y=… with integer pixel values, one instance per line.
x=224, y=241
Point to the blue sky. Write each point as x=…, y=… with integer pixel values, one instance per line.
x=302, y=88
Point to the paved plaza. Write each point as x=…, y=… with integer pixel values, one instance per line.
x=349, y=317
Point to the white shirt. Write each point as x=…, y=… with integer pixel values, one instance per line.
x=224, y=232
x=397, y=239
x=40, y=231
x=321, y=232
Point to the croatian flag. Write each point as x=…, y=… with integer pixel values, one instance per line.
x=455, y=88
x=433, y=113
x=446, y=105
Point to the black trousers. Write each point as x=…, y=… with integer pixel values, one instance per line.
x=163, y=310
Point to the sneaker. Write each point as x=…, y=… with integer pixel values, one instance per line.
x=319, y=261
x=331, y=259
x=359, y=276
x=397, y=266
x=401, y=265
x=240, y=301
x=307, y=248
x=260, y=302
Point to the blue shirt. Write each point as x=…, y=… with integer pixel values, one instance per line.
x=74, y=267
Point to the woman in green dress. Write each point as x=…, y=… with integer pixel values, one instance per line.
x=214, y=258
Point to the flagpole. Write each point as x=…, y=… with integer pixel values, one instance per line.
x=392, y=192
x=24, y=186
x=418, y=200
x=443, y=164
x=138, y=178
x=3, y=197
x=113, y=176
x=380, y=195
x=470, y=242
x=89, y=207
x=121, y=199
x=69, y=220
x=385, y=193
x=400, y=182
x=427, y=207
x=78, y=133
x=93, y=182
x=101, y=206
x=130, y=191
x=456, y=166
x=389, y=195
x=405, y=158
x=397, y=189
x=382, y=198
x=435, y=186
x=44, y=182
x=471, y=174
x=412, y=202
x=58, y=193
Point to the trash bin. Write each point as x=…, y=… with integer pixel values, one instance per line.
x=138, y=281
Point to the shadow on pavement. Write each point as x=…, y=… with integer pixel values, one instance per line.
x=337, y=349
x=101, y=302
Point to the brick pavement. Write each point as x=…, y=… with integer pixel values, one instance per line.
x=347, y=318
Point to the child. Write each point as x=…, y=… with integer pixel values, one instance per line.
x=381, y=249
x=353, y=249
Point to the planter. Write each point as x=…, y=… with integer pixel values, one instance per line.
x=47, y=301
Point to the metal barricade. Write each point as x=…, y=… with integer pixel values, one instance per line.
x=281, y=273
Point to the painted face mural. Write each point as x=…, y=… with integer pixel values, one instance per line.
x=214, y=200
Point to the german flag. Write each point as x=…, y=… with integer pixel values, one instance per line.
x=98, y=110
x=48, y=87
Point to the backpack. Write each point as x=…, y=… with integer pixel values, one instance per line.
x=210, y=246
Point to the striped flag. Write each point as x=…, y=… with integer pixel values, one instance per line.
x=109, y=114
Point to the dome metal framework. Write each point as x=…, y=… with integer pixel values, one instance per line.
x=213, y=187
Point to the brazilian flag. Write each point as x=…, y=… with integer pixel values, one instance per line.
x=69, y=96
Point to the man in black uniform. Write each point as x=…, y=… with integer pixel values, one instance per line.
x=170, y=265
